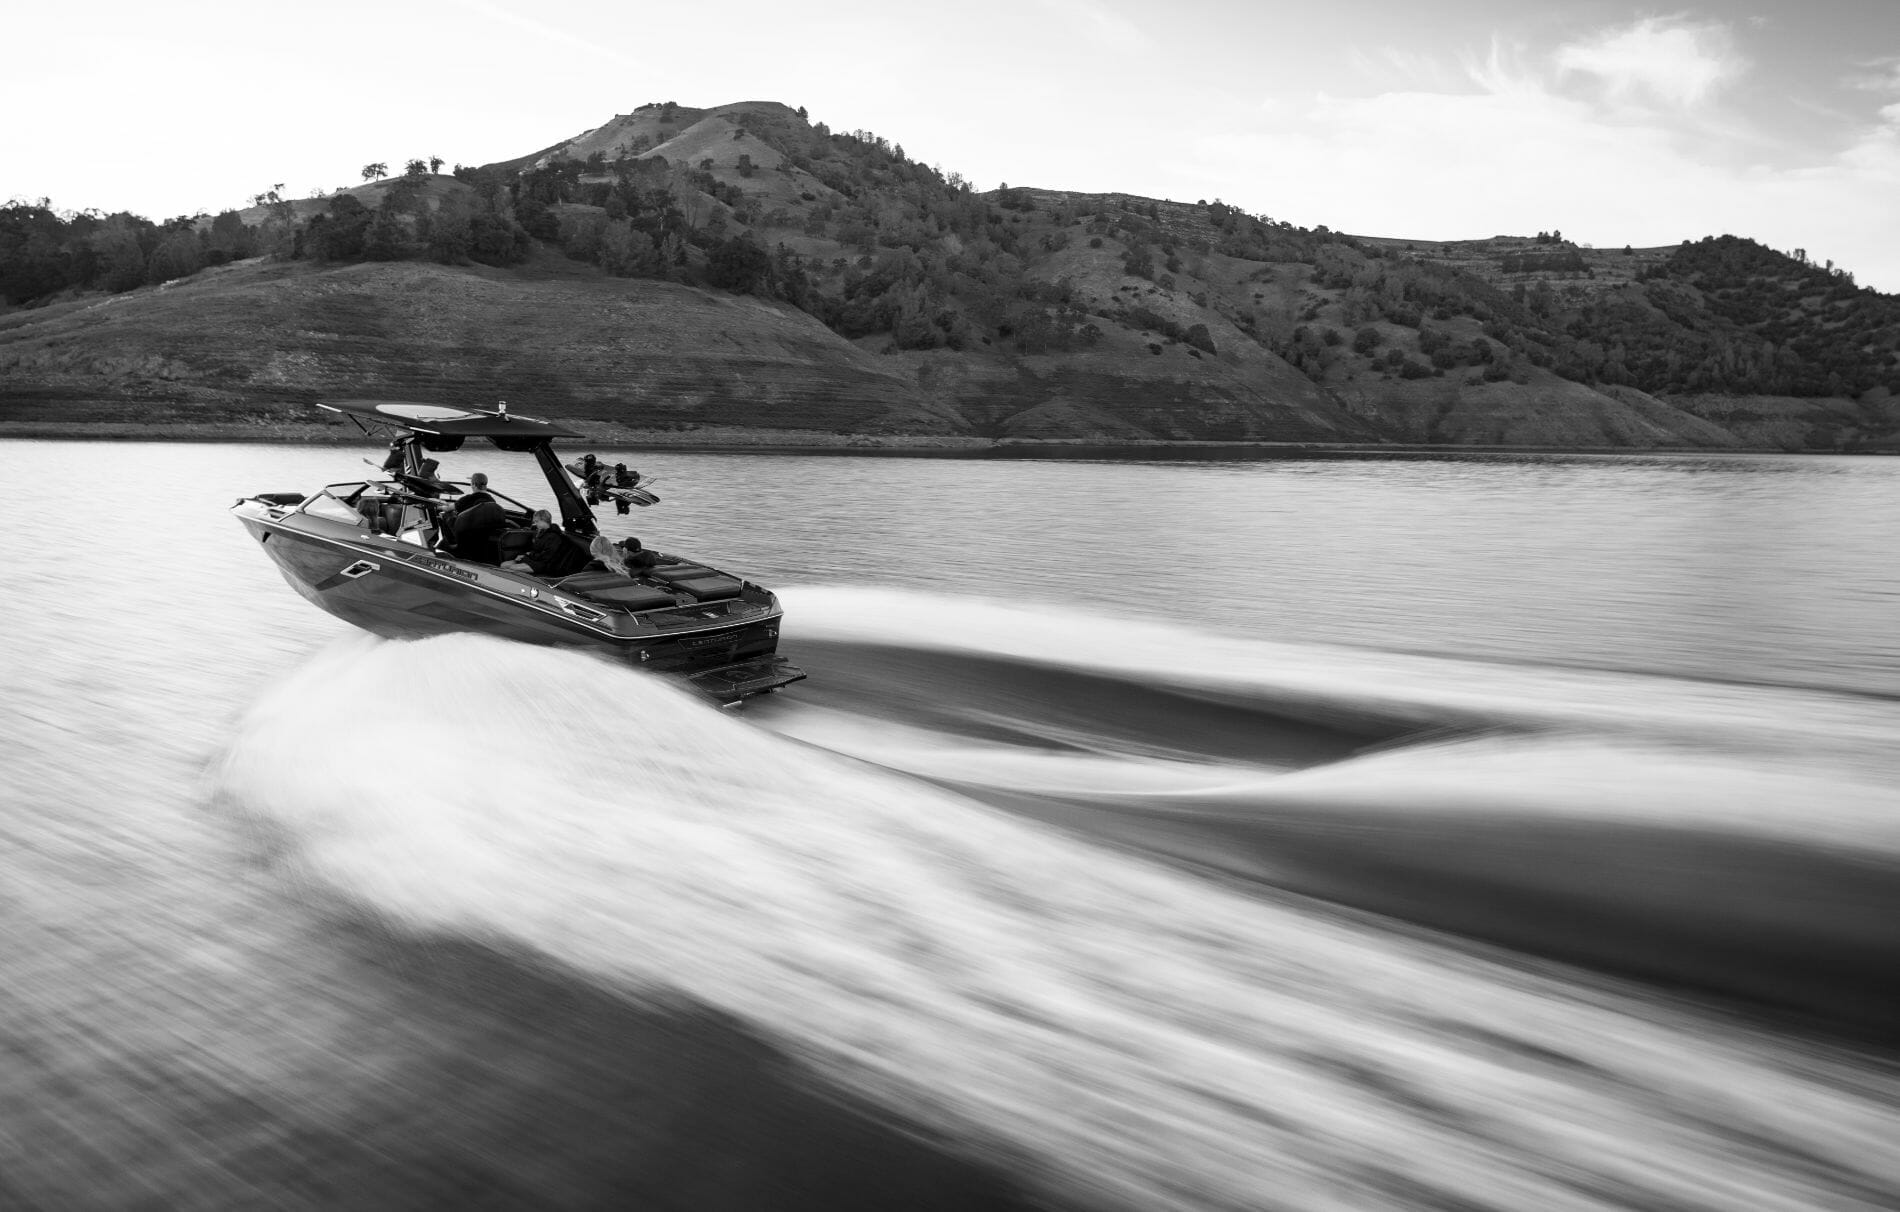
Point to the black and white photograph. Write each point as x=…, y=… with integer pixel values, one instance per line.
x=1064, y=606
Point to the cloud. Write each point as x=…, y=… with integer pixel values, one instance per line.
x=552, y=33
x=1518, y=154
x=1397, y=65
x=1106, y=27
x=1679, y=62
x=1878, y=75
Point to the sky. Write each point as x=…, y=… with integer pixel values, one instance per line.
x=1614, y=124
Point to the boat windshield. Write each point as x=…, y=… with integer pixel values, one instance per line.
x=336, y=502
x=388, y=507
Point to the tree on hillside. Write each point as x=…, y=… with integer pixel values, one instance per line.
x=450, y=231
x=416, y=170
x=339, y=235
x=627, y=252
x=383, y=239
x=278, y=232
x=177, y=256
x=435, y=164
x=376, y=171
x=495, y=237
x=228, y=239
x=36, y=255
x=740, y=266
x=120, y=258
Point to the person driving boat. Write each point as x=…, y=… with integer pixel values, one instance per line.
x=476, y=521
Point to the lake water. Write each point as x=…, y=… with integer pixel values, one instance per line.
x=1483, y=831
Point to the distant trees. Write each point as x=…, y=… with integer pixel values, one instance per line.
x=738, y=264
x=376, y=171
x=1570, y=261
x=385, y=239
x=228, y=239
x=627, y=252
x=339, y=235
x=118, y=252
x=178, y=255
x=495, y=238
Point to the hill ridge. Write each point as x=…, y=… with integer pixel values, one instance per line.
x=1015, y=312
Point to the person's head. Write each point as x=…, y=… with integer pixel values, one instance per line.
x=630, y=544
x=478, y=481
x=543, y=519
x=620, y=467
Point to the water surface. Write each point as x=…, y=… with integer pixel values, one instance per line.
x=1497, y=832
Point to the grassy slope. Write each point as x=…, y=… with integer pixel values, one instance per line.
x=260, y=339
x=255, y=341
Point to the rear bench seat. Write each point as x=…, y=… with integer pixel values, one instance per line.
x=703, y=583
x=612, y=589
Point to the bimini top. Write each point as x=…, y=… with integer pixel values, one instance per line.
x=452, y=421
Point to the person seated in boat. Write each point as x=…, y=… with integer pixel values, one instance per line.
x=551, y=553
x=626, y=557
x=477, y=492
x=635, y=557
x=476, y=521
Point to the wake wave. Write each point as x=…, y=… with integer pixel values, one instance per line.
x=1135, y=1031
x=1362, y=691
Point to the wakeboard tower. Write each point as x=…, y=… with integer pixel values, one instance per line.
x=378, y=552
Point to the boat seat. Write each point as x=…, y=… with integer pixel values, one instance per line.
x=581, y=582
x=514, y=542
x=381, y=516
x=703, y=583
x=612, y=589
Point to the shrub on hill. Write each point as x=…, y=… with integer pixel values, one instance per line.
x=338, y=235
x=1569, y=261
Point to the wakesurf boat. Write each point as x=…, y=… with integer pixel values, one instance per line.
x=378, y=552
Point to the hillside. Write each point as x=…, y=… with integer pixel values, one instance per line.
x=258, y=340
x=741, y=267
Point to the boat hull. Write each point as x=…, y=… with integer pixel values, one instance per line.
x=394, y=589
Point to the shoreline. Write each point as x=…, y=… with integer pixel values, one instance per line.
x=794, y=442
